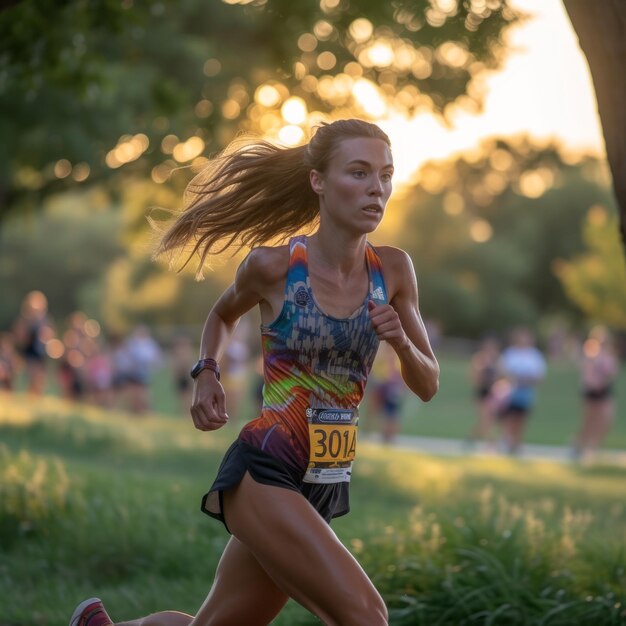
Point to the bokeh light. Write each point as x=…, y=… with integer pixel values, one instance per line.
x=294, y=110
x=267, y=95
x=188, y=150
x=62, y=168
x=481, y=231
x=291, y=135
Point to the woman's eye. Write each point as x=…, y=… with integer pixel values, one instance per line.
x=358, y=173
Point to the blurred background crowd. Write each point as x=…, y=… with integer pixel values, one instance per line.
x=80, y=361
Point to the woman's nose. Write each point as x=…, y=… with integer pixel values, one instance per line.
x=376, y=188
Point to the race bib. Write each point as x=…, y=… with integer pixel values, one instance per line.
x=332, y=439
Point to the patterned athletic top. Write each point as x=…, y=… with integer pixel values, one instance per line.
x=311, y=360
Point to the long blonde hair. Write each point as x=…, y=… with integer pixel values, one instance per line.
x=253, y=193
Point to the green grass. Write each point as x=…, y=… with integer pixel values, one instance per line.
x=554, y=420
x=108, y=504
x=451, y=413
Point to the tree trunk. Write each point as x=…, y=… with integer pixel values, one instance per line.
x=601, y=30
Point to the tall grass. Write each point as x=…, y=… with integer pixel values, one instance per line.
x=108, y=504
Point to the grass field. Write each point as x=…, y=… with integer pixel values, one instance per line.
x=108, y=504
x=554, y=420
x=451, y=413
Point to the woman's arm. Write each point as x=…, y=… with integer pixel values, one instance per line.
x=401, y=325
x=259, y=280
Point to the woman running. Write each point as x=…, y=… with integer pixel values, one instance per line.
x=325, y=300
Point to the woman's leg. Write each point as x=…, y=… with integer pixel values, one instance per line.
x=242, y=593
x=281, y=547
x=517, y=428
x=484, y=422
x=513, y=425
x=585, y=434
x=301, y=553
x=602, y=421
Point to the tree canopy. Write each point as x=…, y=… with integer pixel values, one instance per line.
x=92, y=87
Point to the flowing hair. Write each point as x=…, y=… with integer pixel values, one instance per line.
x=254, y=193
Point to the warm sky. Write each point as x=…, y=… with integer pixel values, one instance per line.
x=543, y=89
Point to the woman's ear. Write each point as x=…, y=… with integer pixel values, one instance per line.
x=317, y=182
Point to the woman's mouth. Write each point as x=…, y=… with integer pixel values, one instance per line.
x=373, y=208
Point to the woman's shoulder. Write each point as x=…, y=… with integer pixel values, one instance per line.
x=266, y=263
x=394, y=258
x=398, y=270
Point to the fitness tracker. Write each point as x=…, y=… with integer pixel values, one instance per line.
x=205, y=364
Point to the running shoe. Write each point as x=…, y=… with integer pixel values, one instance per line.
x=90, y=613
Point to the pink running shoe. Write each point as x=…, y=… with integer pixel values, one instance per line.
x=91, y=613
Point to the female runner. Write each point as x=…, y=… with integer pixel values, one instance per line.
x=325, y=301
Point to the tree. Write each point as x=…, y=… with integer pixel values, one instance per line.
x=486, y=229
x=42, y=252
x=601, y=30
x=92, y=87
x=596, y=280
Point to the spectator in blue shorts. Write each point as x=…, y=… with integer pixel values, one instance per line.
x=525, y=367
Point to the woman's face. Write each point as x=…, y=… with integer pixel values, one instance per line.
x=354, y=190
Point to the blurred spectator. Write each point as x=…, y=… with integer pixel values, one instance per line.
x=99, y=374
x=389, y=392
x=484, y=373
x=9, y=362
x=144, y=355
x=182, y=358
x=32, y=330
x=71, y=370
x=524, y=367
x=236, y=369
x=122, y=366
x=599, y=368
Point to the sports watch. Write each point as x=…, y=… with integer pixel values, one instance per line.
x=205, y=364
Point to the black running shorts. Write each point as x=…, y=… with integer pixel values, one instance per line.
x=329, y=501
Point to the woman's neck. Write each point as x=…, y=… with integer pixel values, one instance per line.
x=335, y=252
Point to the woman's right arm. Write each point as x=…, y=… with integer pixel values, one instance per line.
x=257, y=281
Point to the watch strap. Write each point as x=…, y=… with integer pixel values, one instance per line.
x=205, y=364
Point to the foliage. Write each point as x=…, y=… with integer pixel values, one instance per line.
x=62, y=251
x=492, y=222
x=89, y=88
x=454, y=541
x=93, y=252
x=510, y=209
x=596, y=280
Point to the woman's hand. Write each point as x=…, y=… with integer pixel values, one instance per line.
x=400, y=324
x=387, y=325
x=208, y=406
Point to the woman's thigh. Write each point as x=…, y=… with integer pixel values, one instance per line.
x=302, y=554
x=242, y=592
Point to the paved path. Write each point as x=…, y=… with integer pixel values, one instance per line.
x=457, y=447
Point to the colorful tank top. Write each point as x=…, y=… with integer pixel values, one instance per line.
x=315, y=367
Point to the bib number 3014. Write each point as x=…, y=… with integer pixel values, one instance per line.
x=332, y=439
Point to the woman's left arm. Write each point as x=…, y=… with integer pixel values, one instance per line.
x=401, y=325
